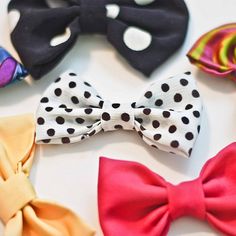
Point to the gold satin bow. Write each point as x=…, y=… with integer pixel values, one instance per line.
x=20, y=210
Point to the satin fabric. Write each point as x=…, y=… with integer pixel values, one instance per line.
x=215, y=52
x=133, y=200
x=10, y=70
x=21, y=211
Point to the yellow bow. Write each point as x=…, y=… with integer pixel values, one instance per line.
x=20, y=210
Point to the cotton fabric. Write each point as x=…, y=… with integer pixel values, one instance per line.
x=167, y=115
x=145, y=33
x=133, y=200
x=21, y=211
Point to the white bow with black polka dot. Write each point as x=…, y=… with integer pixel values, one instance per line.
x=167, y=116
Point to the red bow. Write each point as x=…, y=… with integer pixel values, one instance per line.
x=135, y=201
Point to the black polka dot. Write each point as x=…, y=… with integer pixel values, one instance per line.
x=154, y=146
x=141, y=107
x=44, y=100
x=87, y=94
x=195, y=93
x=72, y=74
x=92, y=133
x=79, y=120
x=48, y=109
x=172, y=129
x=174, y=144
x=89, y=126
x=188, y=107
x=159, y=102
x=68, y=110
x=140, y=134
x=157, y=137
x=146, y=111
x=187, y=73
x=118, y=127
x=88, y=111
x=189, y=136
x=155, y=124
x=190, y=151
x=87, y=84
x=115, y=105
x=125, y=117
x=148, y=94
x=40, y=121
x=51, y=132
x=178, y=97
x=46, y=140
x=133, y=105
x=196, y=114
x=165, y=87
x=58, y=80
x=62, y=106
x=166, y=114
x=70, y=130
x=106, y=116
x=60, y=120
x=140, y=120
x=101, y=103
x=198, y=129
x=184, y=82
x=75, y=100
x=185, y=120
x=142, y=128
x=72, y=84
x=98, y=96
x=65, y=140
x=58, y=92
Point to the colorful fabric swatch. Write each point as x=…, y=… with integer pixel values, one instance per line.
x=215, y=52
x=10, y=69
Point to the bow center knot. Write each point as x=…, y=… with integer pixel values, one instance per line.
x=186, y=199
x=117, y=116
x=15, y=193
x=93, y=16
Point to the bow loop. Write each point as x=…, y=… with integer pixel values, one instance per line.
x=15, y=193
x=117, y=116
x=186, y=199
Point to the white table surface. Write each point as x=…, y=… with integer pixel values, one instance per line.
x=68, y=174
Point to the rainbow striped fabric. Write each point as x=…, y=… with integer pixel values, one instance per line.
x=215, y=52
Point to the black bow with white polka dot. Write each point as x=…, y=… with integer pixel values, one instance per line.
x=167, y=116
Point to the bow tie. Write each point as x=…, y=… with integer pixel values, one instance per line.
x=21, y=211
x=145, y=32
x=215, y=53
x=167, y=115
x=133, y=200
x=10, y=70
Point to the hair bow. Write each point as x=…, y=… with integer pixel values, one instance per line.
x=21, y=211
x=133, y=200
x=167, y=115
x=10, y=70
x=215, y=53
x=145, y=32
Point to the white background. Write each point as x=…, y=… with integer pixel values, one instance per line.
x=68, y=174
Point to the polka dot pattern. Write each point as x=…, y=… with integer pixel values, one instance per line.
x=167, y=116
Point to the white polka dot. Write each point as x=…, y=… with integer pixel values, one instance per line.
x=143, y=2
x=59, y=39
x=14, y=17
x=113, y=10
x=137, y=39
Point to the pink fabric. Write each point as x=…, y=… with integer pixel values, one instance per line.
x=134, y=201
